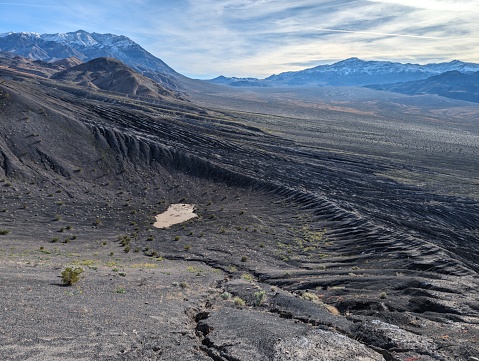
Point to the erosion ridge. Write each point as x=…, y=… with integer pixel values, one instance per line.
x=308, y=226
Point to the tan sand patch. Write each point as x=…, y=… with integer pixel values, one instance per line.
x=176, y=213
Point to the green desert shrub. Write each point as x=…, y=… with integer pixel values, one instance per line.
x=238, y=301
x=247, y=277
x=259, y=297
x=71, y=276
x=226, y=295
x=311, y=297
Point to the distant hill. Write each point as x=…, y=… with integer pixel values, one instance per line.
x=67, y=63
x=451, y=84
x=88, y=46
x=352, y=72
x=112, y=75
x=239, y=82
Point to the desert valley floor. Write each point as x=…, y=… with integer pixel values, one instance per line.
x=332, y=224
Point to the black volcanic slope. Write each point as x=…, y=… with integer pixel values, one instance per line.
x=452, y=84
x=111, y=74
x=301, y=229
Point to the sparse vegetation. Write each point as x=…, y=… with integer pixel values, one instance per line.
x=226, y=295
x=311, y=297
x=85, y=262
x=259, y=297
x=196, y=270
x=247, y=277
x=238, y=301
x=71, y=276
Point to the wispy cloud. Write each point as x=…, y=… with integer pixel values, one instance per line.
x=376, y=33
x=260, y=37
x=439, y=5
x=32, y=5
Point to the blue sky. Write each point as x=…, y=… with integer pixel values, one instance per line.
x=206, y=38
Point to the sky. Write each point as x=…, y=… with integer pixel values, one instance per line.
x=257, y=38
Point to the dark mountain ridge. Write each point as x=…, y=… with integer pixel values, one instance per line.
x=112, y=75
x=452, y=84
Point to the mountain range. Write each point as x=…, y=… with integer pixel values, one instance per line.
x=51, y=49
x=88, y=46
x=353, y=72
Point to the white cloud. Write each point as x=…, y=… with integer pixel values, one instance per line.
x=440, y=5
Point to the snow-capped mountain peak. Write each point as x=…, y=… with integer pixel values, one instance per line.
x=2, y=35
x=87, y=46
x=80, y=37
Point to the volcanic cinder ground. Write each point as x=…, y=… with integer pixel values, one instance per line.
x=334, y=224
